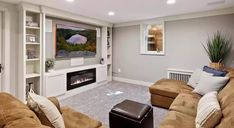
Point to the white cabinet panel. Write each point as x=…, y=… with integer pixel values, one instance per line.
x=101, y=73
x=55, y=84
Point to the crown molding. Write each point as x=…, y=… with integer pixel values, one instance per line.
x=178, y=17
x=57, y=13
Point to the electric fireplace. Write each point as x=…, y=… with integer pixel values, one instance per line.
x=80, y=78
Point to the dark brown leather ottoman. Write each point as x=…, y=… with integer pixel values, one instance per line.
x=131, y=114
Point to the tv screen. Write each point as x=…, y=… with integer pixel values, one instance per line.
x=74, y=41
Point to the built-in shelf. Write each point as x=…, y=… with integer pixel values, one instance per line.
x=151, y=42
x=35, y=59
x=32, y=75
x=30, y=43
x=30, y=70
x=29, y=27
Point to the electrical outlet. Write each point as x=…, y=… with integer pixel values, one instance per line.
x=119, y=70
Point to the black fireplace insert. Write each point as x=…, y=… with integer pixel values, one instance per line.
x=80, y=78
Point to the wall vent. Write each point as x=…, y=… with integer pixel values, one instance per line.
x=179, y=74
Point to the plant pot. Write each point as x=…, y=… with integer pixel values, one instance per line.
x=218, y=66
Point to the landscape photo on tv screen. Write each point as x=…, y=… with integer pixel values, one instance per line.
x=75, y=42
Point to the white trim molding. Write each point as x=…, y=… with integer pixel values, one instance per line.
x=178, y=17
x=131, y=81
x=52, y=12
x=73, y=17
x=6, y=49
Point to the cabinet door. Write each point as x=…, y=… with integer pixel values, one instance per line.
x=55, y=85
x=101, y=74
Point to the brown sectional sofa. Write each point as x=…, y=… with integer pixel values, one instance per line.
x=15, y=114
x=182, y=103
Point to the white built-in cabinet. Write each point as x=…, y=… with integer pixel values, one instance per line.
x=55, y=84
x=107, y=50
x=30, y=52
x=109, y=53
x=31, y=66
x=101, y=74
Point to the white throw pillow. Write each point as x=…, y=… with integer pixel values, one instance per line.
x=209, y=83
x=195, y=77
x=208, y=111
x=40, y=103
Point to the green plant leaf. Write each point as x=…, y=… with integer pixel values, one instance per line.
x=217, y=47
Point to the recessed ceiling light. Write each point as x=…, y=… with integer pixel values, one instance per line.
x=70, y=0
x=111, y=13
x=171, y=1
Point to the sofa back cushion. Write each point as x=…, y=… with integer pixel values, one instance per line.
x=226, y=100
x=14, y=113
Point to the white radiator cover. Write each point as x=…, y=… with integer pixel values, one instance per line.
x=179, y=74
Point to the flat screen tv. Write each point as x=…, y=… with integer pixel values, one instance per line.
x=72, y=41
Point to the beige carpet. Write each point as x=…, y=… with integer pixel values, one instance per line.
x=98, y=102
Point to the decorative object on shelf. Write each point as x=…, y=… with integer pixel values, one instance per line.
x=50, y=65
x=30, y=23
x=31, y=53
x=108, y=42
x=108, y=33
x=218, y=47
x=31, y=38
x=29, y=87
x=102, y=61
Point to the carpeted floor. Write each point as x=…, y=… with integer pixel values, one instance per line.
x=97, y=102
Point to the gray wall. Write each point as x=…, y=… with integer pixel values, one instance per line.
x=183, y=40
x=14, y=37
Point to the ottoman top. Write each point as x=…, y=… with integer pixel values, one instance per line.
x=131, y=109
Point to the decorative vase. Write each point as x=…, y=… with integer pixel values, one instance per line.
x=218, y=66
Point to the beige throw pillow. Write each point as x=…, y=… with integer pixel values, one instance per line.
x=42, y=104
x=208, y=111
x=210, y=83
x=195, y=77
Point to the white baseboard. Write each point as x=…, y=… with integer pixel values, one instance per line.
x=131, y=81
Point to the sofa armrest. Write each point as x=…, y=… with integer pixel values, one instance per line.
x=55, y=101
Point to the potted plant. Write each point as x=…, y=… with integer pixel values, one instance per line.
x=217, y=48
x=50, y=64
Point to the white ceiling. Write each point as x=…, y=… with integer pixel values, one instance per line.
x=131, y=10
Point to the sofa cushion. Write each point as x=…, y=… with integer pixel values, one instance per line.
x=168, y=87
x=176, y=119
x=186, y=103
x=75, y=119
x=226, y=100
x=44, y=120
x=15, y=114
x=161, y=101
x=227, y=120
x=208, y=111
x=209, y=83
x=42, y=105
x=214, y=71
x=195, y=77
